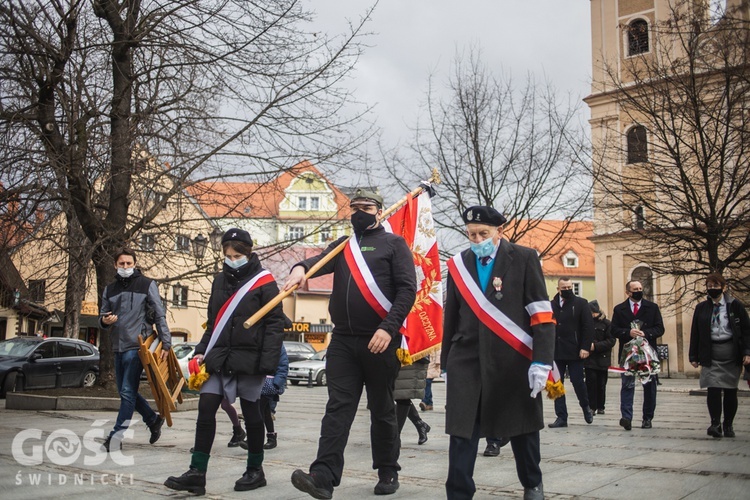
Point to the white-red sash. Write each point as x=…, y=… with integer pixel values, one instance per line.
x=365, y=280
x=231, y=304
x=493, y=318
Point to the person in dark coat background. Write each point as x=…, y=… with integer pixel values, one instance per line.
x=636, y=317
x=492, y=388
x=598, y=362
x=237, y=359
x=410, y=384
x=574, y=331
x=720, y=345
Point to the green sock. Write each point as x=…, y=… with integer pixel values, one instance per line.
x=199, y=461
x=254, y=460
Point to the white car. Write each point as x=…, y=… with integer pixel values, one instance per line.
x=299, y=371
x=184, y=352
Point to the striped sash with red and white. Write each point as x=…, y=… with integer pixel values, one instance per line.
x=365, y=280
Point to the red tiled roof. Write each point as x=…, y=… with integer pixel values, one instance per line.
x=259, y=200
x=576, y=238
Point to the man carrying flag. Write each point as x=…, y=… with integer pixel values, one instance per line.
x=374, y=288
x=498, y=347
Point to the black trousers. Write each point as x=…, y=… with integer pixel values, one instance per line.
x=462, y=455
x=405, y=408
x=205, y=425
x=596, y=385
x=574, y=369
x=349, y=366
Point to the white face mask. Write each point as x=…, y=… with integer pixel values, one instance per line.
x=235, y=264
x=125, y=272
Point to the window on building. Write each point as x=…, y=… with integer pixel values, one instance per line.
x=182, y=243
x=637, y=37
x=577, y=287
x=153, y=196
x=570, y=259
x=295, y=233
x=302, y=203
x=314, y=203
x=326, y=234
x=637, y=144
x=148, y=242
x=179, y=296
x=640, y=219
x=37, y=290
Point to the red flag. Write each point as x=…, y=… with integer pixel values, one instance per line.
x=423, y=328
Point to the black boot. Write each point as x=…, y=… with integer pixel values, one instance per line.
x=252, y=478
x=422, y=429
x=193, y=481
x=237, y=437
x=271, y=443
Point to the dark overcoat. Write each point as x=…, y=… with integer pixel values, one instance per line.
x=700, y=332
x=485, y=375
x=648, y=314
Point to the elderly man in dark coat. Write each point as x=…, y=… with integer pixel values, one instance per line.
x=498, y=346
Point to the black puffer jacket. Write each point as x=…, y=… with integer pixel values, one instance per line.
x=253, y=351
x=411, y=381
x=392, y=266
x=600, y=357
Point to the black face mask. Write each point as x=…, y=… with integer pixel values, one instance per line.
x=636, y=296
x=714, y=293
x=362, y=221
x=567, y=294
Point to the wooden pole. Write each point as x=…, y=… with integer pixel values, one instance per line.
x=434, y=179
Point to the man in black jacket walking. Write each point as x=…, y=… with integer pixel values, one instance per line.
x=374, y=288
x=574, y=333
x=636, y=317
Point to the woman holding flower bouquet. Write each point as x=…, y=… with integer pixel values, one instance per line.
x=236, y=359
x=720, y=345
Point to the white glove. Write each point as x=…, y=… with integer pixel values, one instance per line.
x=538, y=375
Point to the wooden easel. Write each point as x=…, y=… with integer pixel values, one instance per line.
x=164, y=376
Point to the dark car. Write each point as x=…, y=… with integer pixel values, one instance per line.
x=37, y=363
x=298, y=351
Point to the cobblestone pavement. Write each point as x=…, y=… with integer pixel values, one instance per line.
x=674, y=460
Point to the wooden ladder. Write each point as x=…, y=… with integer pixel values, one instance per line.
x=164, y=376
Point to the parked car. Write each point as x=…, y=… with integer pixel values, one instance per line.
x=184, y=352
x=38, y=363
x=299, y=371
x=297, y=351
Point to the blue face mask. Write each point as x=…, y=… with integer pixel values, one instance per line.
x=235, y=264
x=483, y=249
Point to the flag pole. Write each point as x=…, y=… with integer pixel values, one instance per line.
x=434, y=179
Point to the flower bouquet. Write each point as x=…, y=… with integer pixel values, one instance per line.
x=639, y=359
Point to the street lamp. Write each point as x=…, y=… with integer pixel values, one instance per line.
x=199, y=246
x=215, y=237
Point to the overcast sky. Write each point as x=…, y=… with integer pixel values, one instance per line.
x=414, y=38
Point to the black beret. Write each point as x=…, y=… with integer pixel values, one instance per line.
x=483, y=215
x=235, y=234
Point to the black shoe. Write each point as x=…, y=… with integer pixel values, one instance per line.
x=387, y=485
x=310, y=484
x=600, y=412
x=626, y=423
x=728, y=431
x=558, y=423
x=588, y=415
x=271, y=443
x=109, y=444
x=646, y=423
x=250, y=480
x=238, y=435
x=714, y=430
x=193, y=481
x=155, y=429
x=422, y=429
x=535, y=493
x=492, y=450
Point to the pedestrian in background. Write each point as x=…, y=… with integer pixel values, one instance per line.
x=599, y=360
x=273, y=387
x=720, y=345
x=433, y=372
x=410, y=384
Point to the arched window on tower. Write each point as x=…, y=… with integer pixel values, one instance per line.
x=637, y=144
x=640, y=218
x=637, y=37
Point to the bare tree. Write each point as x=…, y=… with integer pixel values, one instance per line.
x=672, y=172
x=210, y=88
x=516, y=148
